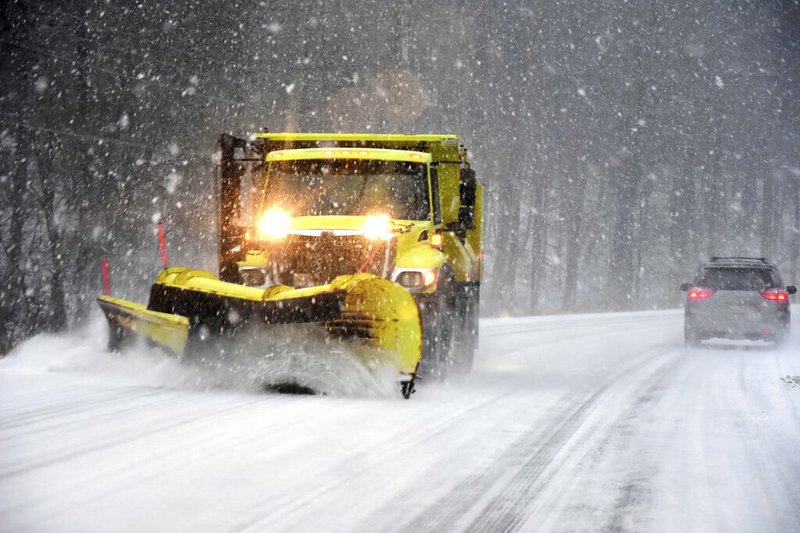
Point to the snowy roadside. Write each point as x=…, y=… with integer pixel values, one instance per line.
x=567, y=423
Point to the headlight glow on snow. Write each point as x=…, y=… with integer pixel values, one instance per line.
x=377, y=227
x=274, y=224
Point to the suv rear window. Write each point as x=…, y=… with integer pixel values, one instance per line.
x=737, y=279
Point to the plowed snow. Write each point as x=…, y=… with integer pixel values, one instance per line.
x=591, y=422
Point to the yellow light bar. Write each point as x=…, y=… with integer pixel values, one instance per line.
x=366, y=137
x=381, y=154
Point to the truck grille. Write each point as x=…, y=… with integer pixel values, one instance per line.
x=305, y=260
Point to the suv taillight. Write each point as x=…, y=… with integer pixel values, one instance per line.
x=775, y=295
x=699, y=293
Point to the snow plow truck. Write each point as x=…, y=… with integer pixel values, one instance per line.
x=375, y=239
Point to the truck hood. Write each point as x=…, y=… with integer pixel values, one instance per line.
x=350, y=225
x=411, y=252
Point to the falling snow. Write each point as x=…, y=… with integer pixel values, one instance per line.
x=628, y=141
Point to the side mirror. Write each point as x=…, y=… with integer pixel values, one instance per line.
x=791, y=289
x=466, y=218
x=686, y=286
x=468, y=187
x=437, y=205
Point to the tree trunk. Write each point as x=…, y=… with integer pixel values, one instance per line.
x=14, y=305
x=539, y=244
x=574, y=242
x=767, y=217
x=794, y=248
x=57, y=310
x=621, y=257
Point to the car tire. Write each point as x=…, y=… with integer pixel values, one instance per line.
x=782, y=335
x=690, y=336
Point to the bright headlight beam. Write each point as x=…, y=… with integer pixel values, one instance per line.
x=377, y=227
x=274, y=224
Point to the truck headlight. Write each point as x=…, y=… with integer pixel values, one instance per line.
x=377, y=227
x=274, y=224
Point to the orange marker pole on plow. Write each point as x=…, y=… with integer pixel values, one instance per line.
x=162, y=244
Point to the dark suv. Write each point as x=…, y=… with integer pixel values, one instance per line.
x=737, y=298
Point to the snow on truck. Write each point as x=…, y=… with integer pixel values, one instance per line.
x=374, y=239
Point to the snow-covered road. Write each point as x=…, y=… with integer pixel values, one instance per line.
x=573, y=423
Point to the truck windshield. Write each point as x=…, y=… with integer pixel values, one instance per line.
x=314, y=187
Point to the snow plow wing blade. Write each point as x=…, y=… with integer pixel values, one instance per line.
x=129, y=319
x=379, y=316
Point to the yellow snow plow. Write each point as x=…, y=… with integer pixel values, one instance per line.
x=373, y=239
x=379, y=316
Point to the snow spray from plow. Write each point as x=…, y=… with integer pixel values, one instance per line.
x=196, y=316
x=274, y=362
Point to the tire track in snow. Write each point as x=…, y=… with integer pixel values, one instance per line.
x=183, y=452
x=524, y=329
x=762, y=456
x=527, y=344
x=508, y=510
x=635, y=488
x=107, y=442
x=592, y=441
x=46, y=406
x=723, y=436
x=14, y=402
x=55, y=419
x=519, y=485
x=427, y=429
x=467, y=495
x=440, y=474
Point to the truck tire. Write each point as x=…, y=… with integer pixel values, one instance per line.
x=466, y=333
x=437, y=336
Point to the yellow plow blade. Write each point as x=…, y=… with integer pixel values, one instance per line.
x=385, y=315
x=378, y=316
x=164, y=329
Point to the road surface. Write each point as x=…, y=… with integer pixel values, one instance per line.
x=571, y=423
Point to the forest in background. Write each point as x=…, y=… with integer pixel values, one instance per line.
x=620, y=143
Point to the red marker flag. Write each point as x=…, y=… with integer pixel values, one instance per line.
x=162, y=244
x=106, y=285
